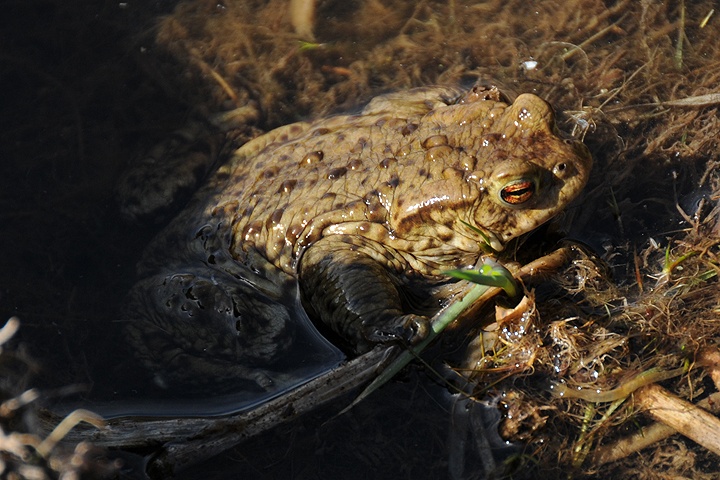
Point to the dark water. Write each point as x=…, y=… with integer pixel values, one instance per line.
x=413, y=428
x=127, y=394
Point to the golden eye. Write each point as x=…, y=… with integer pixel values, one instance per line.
x=517, y=192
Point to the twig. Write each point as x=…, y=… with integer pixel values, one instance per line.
x=681, y=415
x=681, y=36
x=709, y=358
x=646, y=437
x=9, y=329
x=67, y=424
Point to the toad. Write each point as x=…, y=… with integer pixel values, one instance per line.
x=349, y=216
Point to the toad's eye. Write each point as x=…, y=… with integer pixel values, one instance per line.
x=517, y=192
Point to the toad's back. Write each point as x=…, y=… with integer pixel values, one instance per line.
x=404, y=175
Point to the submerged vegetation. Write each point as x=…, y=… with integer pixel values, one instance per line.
x=626, y=329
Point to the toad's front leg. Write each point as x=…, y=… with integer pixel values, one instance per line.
x=351, y=289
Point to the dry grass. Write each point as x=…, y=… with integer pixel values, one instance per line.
x=24, y=453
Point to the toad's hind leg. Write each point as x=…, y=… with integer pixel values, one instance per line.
x=192, y=330
x=356, y=296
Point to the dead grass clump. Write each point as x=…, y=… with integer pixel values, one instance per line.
x=364, y=48
x=23, y=453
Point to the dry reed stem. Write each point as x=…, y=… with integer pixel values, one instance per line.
x=681, y=415
x=646, y=437
x=302, y=17
x=9, y=329
x=709, y=358
x=67, y=424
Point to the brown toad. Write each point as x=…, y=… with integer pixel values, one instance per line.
x=357, y=210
